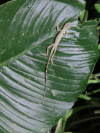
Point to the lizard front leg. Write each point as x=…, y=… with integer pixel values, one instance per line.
x=65, y=33
x=58, y=28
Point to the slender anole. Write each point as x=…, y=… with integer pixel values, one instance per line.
x=54, y=47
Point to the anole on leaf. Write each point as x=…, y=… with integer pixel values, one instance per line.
x=54, y=48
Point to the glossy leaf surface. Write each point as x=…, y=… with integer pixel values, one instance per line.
x=27, y=27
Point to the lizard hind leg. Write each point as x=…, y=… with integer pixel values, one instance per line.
x=48, y=48
x=53, y=55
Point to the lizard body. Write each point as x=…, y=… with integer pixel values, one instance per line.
x=53, y=50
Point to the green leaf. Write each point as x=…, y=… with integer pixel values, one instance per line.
x=27, y=27
x=97, y=7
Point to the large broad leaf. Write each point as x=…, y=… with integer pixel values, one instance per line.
x=27, y=27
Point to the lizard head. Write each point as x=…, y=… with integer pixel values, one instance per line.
x=67, y=24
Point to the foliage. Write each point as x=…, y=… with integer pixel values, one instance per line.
x=85, y=115
x=26, y=29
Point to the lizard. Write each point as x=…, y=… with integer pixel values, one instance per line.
x=54, y=48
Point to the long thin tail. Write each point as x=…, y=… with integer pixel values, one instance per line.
x=46, y=69
x=46, y=74
x=45, y=79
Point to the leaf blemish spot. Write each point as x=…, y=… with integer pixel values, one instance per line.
x=60, y=78
x=71, y=67
x=52, y=92
x=76, y=49
x=23, y=34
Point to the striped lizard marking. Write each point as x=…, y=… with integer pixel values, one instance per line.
x=54, y=48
